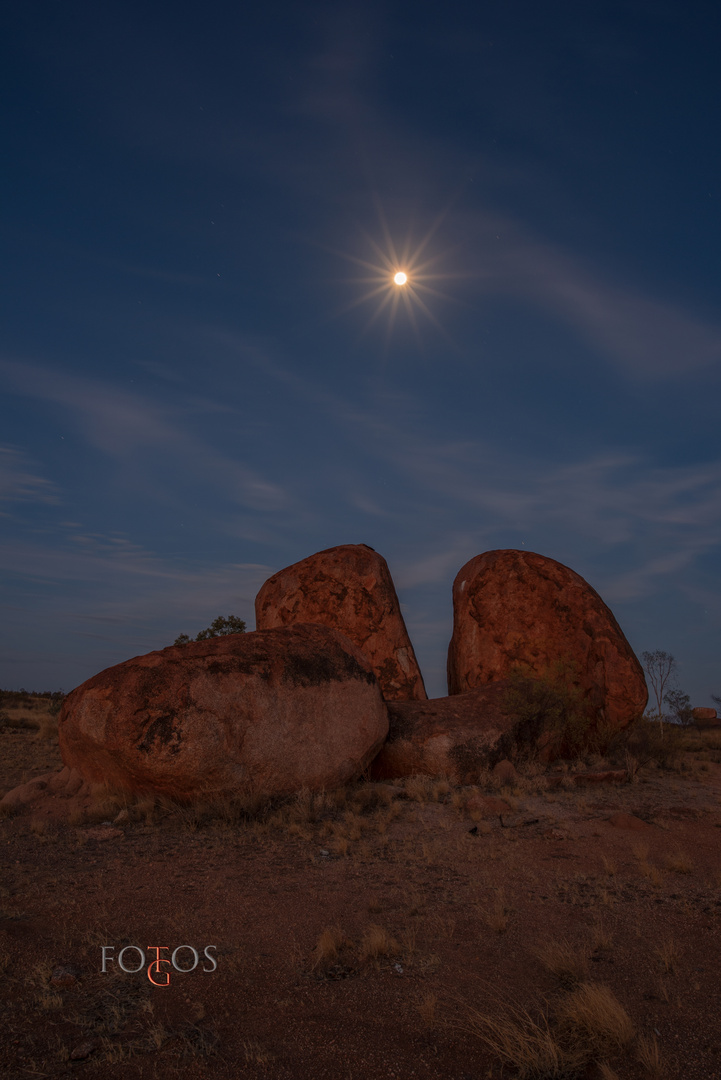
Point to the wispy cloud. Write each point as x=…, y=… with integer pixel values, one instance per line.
x=647, y=336
x=130, y=428
x=19, y=482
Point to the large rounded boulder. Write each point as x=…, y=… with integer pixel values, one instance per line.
x=269, y=712
x=514, y=608
x=349, y=588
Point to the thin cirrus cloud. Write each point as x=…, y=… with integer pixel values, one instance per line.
x=645, y=336
x=615, y=495
x=125, y=426
x=20, y=483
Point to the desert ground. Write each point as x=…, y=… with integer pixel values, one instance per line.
x=417, y=930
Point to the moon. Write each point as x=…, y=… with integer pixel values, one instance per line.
x=400, y=278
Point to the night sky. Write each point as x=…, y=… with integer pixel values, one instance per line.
x=208, y=373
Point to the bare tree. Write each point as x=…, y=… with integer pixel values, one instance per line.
x=661, y=670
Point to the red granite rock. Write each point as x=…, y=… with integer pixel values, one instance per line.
x=622, y=820
x=455, y=736
x=505, y=772
x=350, y=589
x=516, y=607
x=702, y=713
x=269, y=712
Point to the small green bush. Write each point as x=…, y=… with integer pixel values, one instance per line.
x=648, y=740
x=553, y=713
x=219, y=627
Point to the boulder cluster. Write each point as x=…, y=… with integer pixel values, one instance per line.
x=328, y=686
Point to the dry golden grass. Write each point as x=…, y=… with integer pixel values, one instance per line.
x=678, y=862
x=496, y=917
x=419, y=788
x=668, y=955
x=594, y=1016
x=605, y=1072
x=328, y=946
x=256, y=1054
x=340, y=846
x=566, y=961
x=649, y=1058
x=377, y=944
x=524, y=1043
x=600, y=936
x=47, y=728
x=652, y=874
x=426, y=1009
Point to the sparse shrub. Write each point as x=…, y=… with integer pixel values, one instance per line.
x=551, y=709
x=419, y=788
x=219, y=627
x=647, y=741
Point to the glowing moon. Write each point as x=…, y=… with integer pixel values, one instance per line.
x=400, y=278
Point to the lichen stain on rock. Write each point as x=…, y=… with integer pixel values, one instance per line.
x=162, y=731
x=321, y=669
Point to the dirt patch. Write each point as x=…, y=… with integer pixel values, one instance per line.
x=372, y=932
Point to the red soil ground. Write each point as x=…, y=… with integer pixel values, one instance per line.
x=464, y=916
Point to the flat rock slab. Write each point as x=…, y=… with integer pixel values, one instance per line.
x=456, y=736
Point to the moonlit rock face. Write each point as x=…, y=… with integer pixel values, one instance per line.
x=350, y=588
x=269, y=712
x=454, y=736
x=517, y=607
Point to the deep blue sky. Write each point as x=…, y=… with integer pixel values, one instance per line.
x=194, y=397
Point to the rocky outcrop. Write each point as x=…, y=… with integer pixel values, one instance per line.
x=457, y=736
x=350, y=589
x=703, y=714
x=518, y=608
x=268, y=712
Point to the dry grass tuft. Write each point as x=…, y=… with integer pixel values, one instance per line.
x=426, y=1008
x=419, y=788
x=256, y=1054
x=328, y=945
x=523, y=1043
x=378, y=944
x=668, y=955
x=678, y=862
x=496, y=918
x=592, y=1014
x=649, y=1058
x=564, y=960
x=652, y=874
x=605, y=1072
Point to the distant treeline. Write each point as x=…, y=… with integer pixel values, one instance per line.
x=22, y=696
